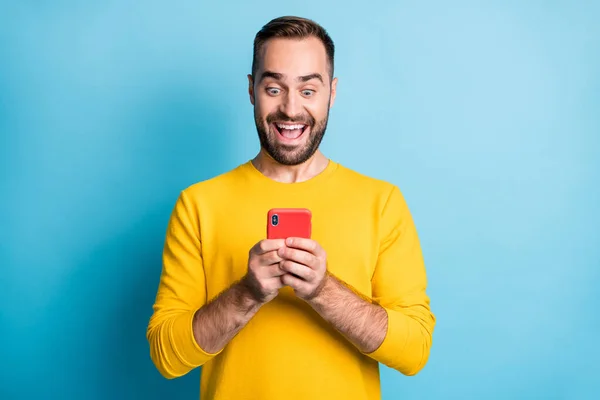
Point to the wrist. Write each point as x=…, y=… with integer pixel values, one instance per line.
x=321, y=295
x=249, y=298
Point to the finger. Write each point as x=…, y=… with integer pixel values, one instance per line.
x=295, y=283
x=266, y=245
x=272, y=271
x=305, y=244
x=301, y=271
x=270, y=258
x=299, y=256
x=274, y=282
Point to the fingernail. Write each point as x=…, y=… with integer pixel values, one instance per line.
x=289, y=241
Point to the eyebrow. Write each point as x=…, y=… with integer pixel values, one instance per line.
x=270, y=74
x=307, y=78
x=278, y=76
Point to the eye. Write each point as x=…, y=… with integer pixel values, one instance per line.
x=273, y=91
x=308, y=92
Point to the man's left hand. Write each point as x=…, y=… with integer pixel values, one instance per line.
x=305, y=262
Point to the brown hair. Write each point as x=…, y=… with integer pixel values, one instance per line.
x=293, y=28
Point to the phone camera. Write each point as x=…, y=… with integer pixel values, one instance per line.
x=274, y=220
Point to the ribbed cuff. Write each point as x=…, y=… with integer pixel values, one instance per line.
x=184, y=344
x=395, y=339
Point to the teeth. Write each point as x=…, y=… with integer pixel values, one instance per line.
x=290, y=127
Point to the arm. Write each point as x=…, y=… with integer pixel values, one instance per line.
x=353, y=315
x=216, y=323
x=181, y=294
x=396, y=326
x=357, y=318
x=185, y=331
x=399, y=285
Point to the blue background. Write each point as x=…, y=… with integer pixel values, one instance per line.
x=486, y=116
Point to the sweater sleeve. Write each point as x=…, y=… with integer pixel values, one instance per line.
x=398, y=285
x=181, y=291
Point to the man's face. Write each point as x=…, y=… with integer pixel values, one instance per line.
x=292, y=93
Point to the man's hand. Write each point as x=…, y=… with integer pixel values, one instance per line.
x=263, y=278
x=353, y=315
x=305, y=264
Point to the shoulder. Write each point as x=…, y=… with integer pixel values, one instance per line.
x=216, y=186
x=382, y=196
x=379, y=194
x=367, y=185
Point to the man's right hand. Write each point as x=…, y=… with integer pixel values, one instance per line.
x=263, y=278
x=218, y=321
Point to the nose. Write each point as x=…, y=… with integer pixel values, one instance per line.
x=291, y=104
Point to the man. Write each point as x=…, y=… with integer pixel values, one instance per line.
x=296, y=318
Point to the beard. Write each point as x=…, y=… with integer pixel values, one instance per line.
x=285, y=154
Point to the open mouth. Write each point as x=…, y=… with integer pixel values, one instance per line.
x=289, y=132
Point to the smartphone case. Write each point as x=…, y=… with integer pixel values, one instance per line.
x=289, y=222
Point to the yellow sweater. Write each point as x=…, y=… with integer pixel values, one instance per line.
x=287, y=351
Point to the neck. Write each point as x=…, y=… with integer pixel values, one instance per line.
x=290, y=173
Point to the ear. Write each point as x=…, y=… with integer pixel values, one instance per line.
x=333, y=91
x=251, y=88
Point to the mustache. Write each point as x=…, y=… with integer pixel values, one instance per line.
x=298, y=119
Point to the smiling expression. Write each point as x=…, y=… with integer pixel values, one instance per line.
x=292, y=93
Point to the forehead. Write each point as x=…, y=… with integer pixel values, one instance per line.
x=294, y=57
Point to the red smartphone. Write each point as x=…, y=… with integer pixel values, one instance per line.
x=283, y=223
